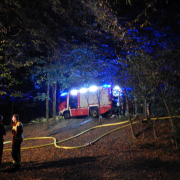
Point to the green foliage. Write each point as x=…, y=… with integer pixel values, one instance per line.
x=60, y=42
x=16, y=94
x=40, y=96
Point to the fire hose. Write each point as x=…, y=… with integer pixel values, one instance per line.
x=84, y=145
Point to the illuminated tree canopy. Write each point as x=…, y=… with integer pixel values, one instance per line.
x=79, y=42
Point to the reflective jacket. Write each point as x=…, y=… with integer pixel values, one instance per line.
x=17, y=130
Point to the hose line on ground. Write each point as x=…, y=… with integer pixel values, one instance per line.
x=87, y=144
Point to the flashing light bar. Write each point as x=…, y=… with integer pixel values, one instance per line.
x=93, y=88
x=83, y=90
x=74, y=92
x=63, y=94
x=105, y=85
x=117, y=88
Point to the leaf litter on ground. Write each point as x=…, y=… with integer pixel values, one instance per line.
x=115, y=156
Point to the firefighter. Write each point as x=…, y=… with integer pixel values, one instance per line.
x=114, y=106
x=2, y=132
x=17, y=138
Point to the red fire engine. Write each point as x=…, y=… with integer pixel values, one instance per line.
x=89, y=101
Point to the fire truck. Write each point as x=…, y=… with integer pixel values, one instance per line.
x=89, y=101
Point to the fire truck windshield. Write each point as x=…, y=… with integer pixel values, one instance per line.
x=63, y=98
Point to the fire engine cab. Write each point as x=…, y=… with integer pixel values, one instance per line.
x=89, y=101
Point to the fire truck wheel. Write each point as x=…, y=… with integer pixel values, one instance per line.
x=94, y=113
x=66, y=115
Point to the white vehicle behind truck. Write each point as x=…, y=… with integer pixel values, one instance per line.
x=88, y=101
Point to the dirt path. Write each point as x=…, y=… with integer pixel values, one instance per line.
x=69, y=124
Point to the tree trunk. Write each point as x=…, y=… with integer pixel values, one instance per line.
x=54, y=103
x=146, y=109
x=129, y=117
x=99, y=115
x=135, y=105
x=47, y=107
x=173, y=137
x=153, y=112
x=98, y=96
x=171, y=120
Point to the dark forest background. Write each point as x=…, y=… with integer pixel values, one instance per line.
x=47, y=47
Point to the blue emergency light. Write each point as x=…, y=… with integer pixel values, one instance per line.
x=107, y=85
x=63, y=94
